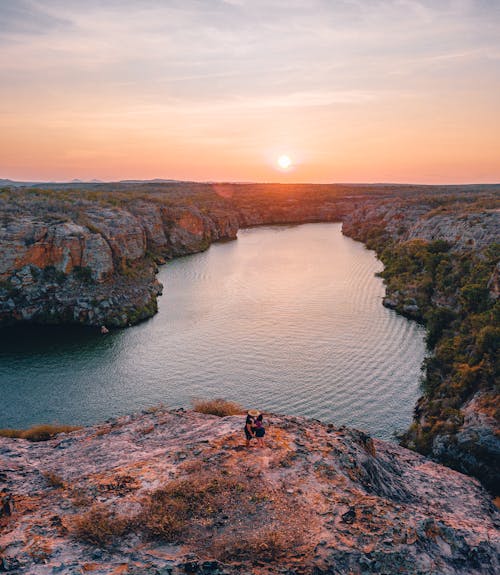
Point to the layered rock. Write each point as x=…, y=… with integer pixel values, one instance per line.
x=317, y=499
x=101, y=270
x=189, y=230
x=419, y=219
x=96, y=265
x=63, y=245
x=64, y=272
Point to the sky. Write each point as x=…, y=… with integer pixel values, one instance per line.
x=350, y=90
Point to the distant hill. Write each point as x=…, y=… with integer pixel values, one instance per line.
x=78, y=182
x=12, y=183
x=153, y=181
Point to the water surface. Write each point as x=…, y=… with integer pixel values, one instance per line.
x=285, y=319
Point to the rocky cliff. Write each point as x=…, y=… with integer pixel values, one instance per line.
x=441, y=267
x=70, y=256
x=89, y=257
x=97, y=266
x=172, y=492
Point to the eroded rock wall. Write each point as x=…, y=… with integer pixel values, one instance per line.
x=98, y=265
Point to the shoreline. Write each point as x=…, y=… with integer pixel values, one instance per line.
x=457, y=224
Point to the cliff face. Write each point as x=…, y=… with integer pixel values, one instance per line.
x=90, y=258
x=54, y=272
x=96, y=265
x=441, y=268
x=99, y=269
x=171, y=492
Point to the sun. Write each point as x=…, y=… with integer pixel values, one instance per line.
x=284, y=162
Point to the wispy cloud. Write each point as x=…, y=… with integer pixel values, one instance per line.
x=27, y=18
x=290, y=64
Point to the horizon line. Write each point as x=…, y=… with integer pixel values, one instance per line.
x=95, y=181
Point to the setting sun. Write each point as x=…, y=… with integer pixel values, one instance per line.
x=284, y=162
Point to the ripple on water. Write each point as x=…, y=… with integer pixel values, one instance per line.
x=287, y=319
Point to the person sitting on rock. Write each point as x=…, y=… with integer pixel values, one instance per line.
x=249, y=425
x=259, y=430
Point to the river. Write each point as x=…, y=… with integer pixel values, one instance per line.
x=286, y=319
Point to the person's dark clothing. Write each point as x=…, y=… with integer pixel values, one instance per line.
x=248, y=423
x=259, y=427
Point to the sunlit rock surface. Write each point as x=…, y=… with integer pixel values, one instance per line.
x=316, y=500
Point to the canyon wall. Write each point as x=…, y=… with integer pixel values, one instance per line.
x=69, y=256
x=96, y=264
x=442, y=268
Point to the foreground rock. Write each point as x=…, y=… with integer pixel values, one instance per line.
x=176, y=492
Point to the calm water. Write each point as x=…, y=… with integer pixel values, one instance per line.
x=286, y=319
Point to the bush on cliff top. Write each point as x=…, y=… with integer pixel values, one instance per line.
x=99, y=526
x=219, y=407
x=38, y=432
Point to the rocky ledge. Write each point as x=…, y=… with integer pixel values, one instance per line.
x=172, y=492
x=441, y=267
x=96, y=266
x=89, y=257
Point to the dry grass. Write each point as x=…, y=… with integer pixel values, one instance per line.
x=182, y=505
x=103, y=430
x=53, y=479
x=219, y=407
x=266, y=544
x=98, y=526
x=233, y=517
x=227, y=512
x=38, y=432
x=154, y=409
x=80, y=497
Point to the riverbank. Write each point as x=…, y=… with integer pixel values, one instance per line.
x=441, y=267
x=177, y=492
x=88, y=256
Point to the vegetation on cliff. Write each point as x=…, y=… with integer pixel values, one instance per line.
x=87, y=254
x=453, y=290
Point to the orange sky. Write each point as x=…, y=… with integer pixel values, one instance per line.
x=386, y=90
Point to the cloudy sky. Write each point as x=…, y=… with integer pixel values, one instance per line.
x=351, y=90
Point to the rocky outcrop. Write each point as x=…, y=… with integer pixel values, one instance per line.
x=189, y=230
x=96, y=265
x=177, y=492
x=409, y=220
x=64, y=272
x=123, y=232
x=63, y=245
x=475, y=230
x=442, y=270
x=475, y=445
